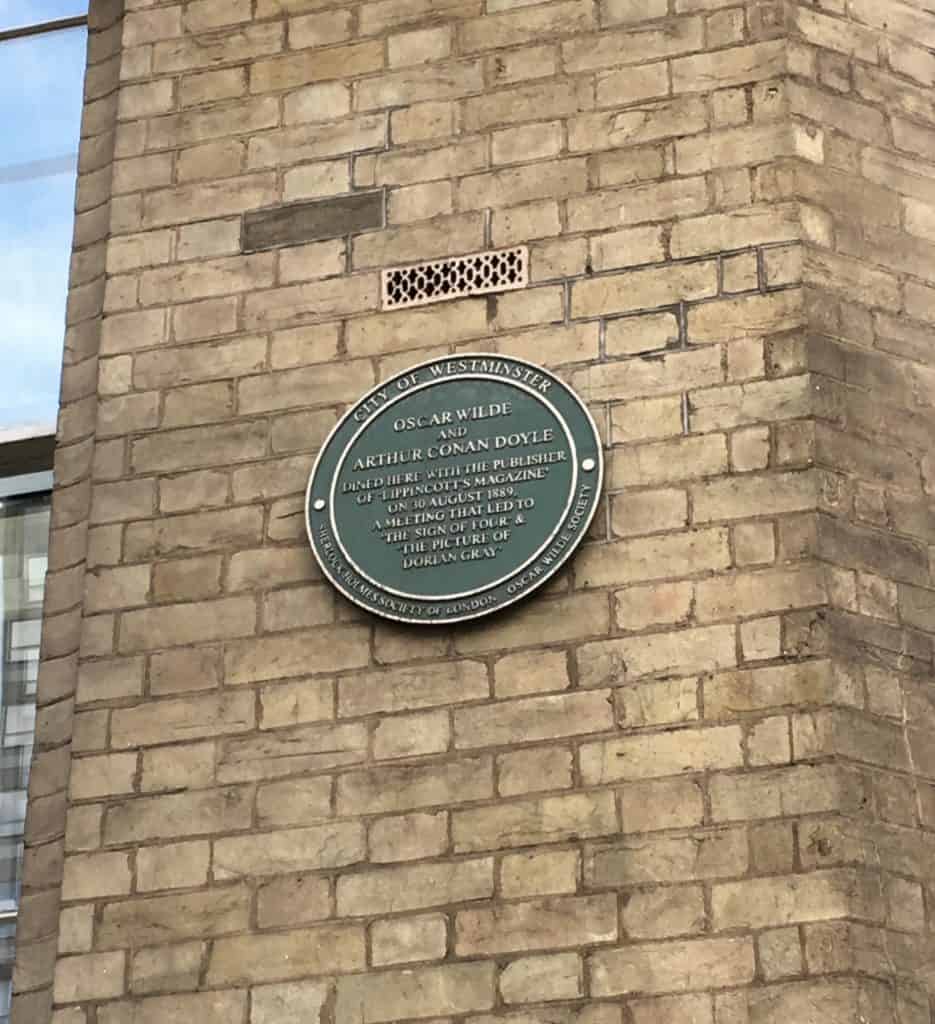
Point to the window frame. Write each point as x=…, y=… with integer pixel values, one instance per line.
x=24, y=455
x=43, y=26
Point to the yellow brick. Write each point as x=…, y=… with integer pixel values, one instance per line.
x=643, y=289
x=686, y=651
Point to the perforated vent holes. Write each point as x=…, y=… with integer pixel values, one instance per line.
x=476, y=274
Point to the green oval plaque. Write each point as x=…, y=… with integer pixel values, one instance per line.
x=454, y=489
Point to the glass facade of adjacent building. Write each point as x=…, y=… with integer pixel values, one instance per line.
x=24, y=537
x=42, y=55
x=40, y=110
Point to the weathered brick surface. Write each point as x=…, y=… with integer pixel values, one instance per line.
x=874, y=389
x=305, y=222
x=694, y=780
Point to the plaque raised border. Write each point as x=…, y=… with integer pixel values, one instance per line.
x=454, y=489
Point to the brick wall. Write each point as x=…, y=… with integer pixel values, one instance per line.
x=862, y=99
x=37, y=930
x=692, y=780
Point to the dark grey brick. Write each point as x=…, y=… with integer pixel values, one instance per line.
x=869, y=460
x=851, y=633
x=312, y=221
x=917, y=607
x=854, y=547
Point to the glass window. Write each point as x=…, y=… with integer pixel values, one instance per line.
x=24, y=538
x=41, y=76
x=40, y=113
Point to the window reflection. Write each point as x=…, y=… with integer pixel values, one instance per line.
x=40, y=111
x=24, y=536
x=41, y=76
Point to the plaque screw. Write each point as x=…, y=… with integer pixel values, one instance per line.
x=318, y=504
x=588, y=465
